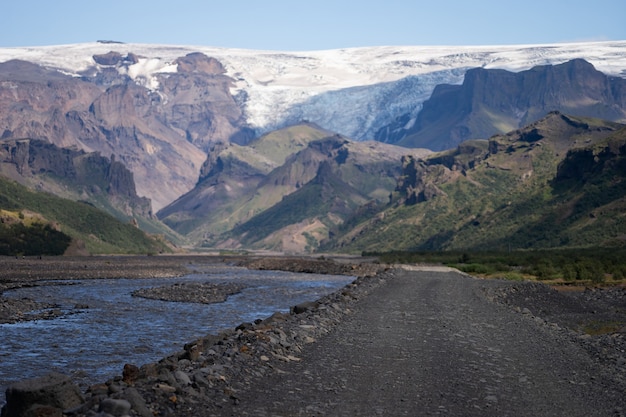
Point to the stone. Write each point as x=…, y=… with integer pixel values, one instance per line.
x=54, y=390
x=117, y=408
x=245, y=326
x=163, y=387
x=304, y=307
x=98, y=389
x=182, y=377
x=137, y=402
x=130, y=373
x=192, y=351
x=44, y=411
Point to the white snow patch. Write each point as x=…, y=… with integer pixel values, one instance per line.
x=144, y=72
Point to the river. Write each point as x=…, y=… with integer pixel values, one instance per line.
x=111, y=328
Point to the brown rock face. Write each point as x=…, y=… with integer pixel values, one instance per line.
x=161, y=136
x=89, y=174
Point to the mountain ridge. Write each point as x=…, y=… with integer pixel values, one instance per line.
x=185, y=121
x=159, y=109
x=268, y=83
x=497, y=101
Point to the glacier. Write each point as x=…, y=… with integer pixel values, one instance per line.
x=352, y=91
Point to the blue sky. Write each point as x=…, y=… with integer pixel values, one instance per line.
x=321, y=24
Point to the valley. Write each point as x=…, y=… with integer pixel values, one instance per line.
x=365, y=149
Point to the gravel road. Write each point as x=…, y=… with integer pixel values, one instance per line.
x=430, y=343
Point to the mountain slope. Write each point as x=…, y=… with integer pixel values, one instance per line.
x=497, y=101
x=237, y=187
x=79, y=176
x=328, y=182
x=92, y=229
x=508, y=193
x=227, y=192
x=303, y=218
x=161, y=137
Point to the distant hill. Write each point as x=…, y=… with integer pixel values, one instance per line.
x=46, y=216
x=559, y=182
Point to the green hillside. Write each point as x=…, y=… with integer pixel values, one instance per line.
x=326, y=200
x=100, y=232
x=230, y=190
x=560, y=182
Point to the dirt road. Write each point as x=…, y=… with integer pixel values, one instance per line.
x=430, y=343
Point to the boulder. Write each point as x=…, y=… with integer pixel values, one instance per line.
x=130, y=373
x=53, y=391
x=304, y=307
x=115, y=407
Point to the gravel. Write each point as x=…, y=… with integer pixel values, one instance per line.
x=205, y=293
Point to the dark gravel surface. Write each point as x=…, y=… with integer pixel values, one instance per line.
x=204, y=293
x=431, y=343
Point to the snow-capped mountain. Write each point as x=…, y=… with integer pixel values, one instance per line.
x=351, y=91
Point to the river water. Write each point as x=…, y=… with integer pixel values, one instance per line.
x=93, y=344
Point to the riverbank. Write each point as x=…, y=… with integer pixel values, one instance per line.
x=219, y=359
x=31, y=271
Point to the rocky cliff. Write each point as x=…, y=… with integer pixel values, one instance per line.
x=492, y=101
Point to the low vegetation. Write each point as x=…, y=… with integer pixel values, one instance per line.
x=589, y=266
x=37, y=239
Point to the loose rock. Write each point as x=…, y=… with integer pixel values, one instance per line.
x=53, y=391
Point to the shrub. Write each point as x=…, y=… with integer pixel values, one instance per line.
x=589, y=270
x=513, y=276
x=569, y=272
x=476, y=269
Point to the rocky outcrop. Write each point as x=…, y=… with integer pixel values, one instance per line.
x=199, y=103
x=604, y=161
x=85, y=176
x=418, y=180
